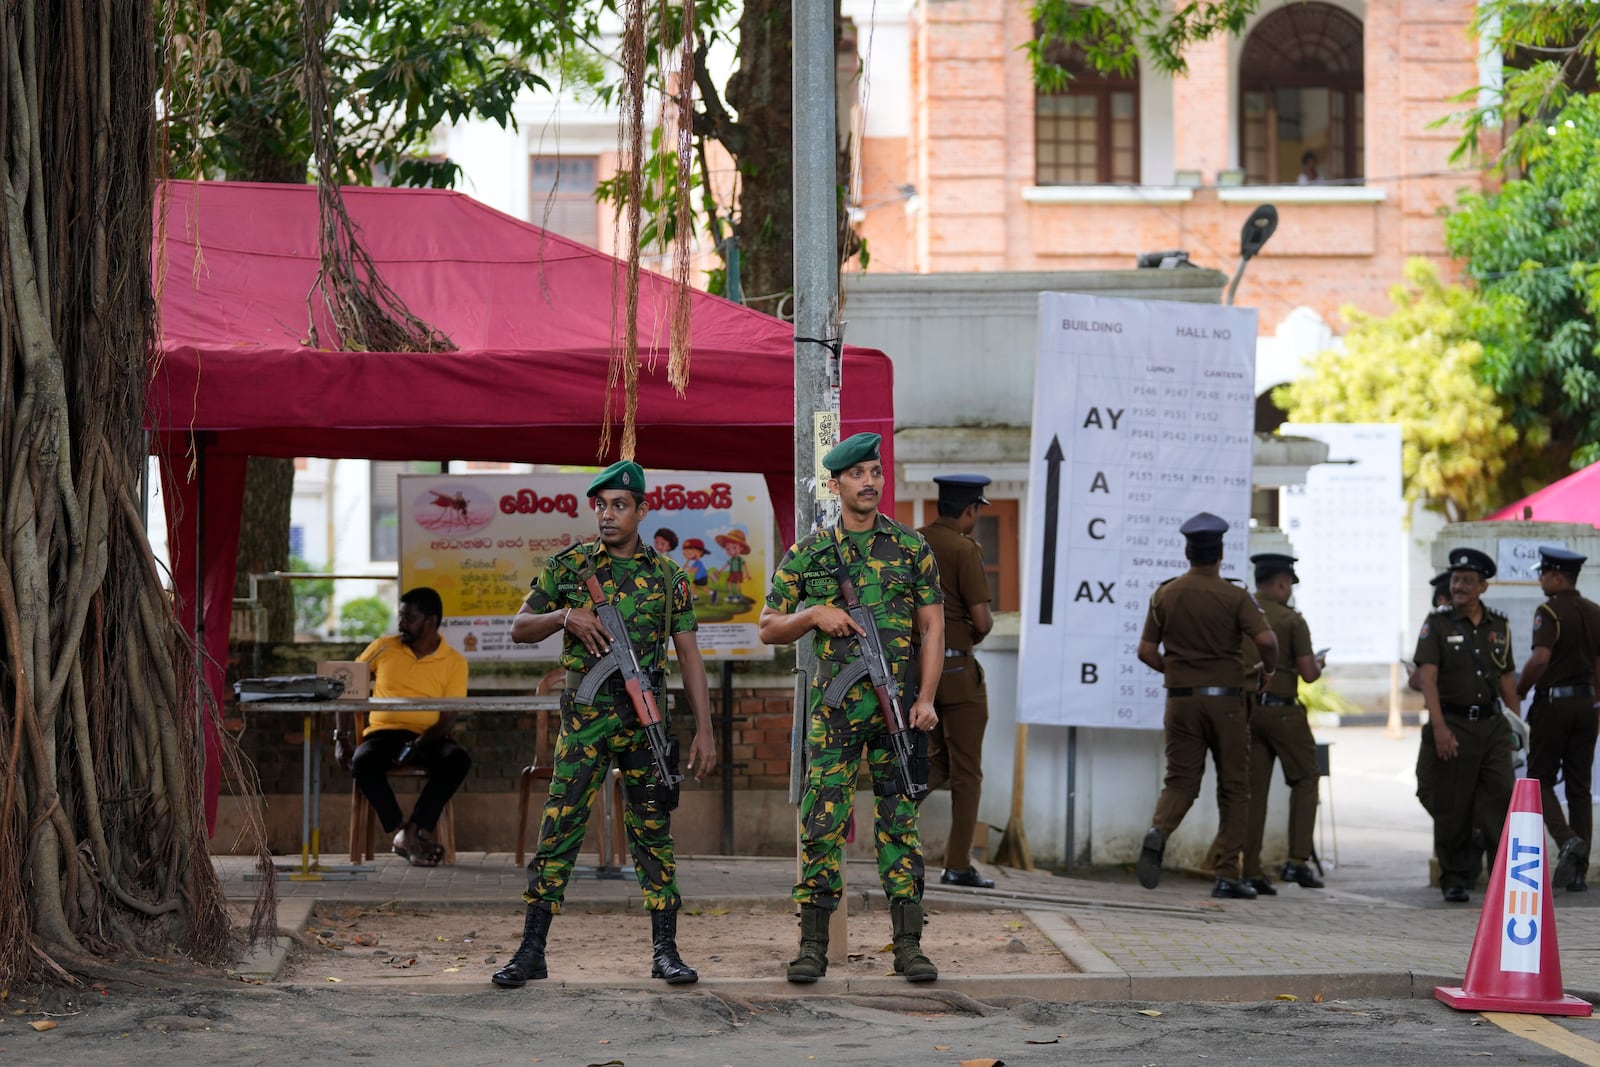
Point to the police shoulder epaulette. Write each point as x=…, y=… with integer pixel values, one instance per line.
x=1443, y=609
x=1493, y=614
x=1174, y=578
x=1235, y=581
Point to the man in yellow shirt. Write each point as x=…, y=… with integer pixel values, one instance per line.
x=414, y=664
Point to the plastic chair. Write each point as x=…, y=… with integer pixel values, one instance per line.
x=364, y=821
x=542, y=769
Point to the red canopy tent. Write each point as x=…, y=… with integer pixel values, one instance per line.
x=532, y=315
x=1575, y=498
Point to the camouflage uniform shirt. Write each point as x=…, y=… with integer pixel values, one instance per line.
x=639, y=587
x=894, y=573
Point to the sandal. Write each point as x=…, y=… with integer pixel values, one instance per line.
x=417, y=851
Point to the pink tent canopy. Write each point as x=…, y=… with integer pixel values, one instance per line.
x=532, y=315
x=1575, y=498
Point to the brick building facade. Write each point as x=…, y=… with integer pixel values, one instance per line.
x=969, y=168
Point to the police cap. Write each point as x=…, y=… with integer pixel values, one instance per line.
x=1441, y=581
x=852, y=450
x=1552, y=558
x=1271, y=564
x=1204, y=530
x=623, y=474
x=961, y=489
x=1470, y=559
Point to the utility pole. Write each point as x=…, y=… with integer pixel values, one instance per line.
x=817, y=346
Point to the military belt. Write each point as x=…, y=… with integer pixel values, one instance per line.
x=1205, y=691
x=1269, y=700
x=1562, y=692
x=1471, y=712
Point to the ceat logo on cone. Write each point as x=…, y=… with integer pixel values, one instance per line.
x=1515, y=965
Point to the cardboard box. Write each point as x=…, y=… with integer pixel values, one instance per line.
x=356, y=676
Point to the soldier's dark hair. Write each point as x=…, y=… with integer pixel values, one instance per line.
x=425, y=600
x=1200, y=557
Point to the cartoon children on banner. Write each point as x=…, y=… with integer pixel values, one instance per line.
x=737, y=547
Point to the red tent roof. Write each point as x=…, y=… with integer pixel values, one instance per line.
x=1575, y=498
x=531, y=314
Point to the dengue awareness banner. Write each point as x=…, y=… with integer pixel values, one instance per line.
x=1143, y=414
x=481, y=540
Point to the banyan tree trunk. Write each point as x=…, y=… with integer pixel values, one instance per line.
x=103, y=856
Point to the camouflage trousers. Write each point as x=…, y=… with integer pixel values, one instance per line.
x=834, y=742
x=590, y=737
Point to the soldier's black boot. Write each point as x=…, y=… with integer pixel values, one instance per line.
x=812, y=963
x=664, y=944
x=906, y=915
x=528, y=961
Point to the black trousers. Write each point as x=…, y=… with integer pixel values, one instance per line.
x=446, y=762
x=1561, y=739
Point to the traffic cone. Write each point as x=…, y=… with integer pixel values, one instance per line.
x=1515, y=965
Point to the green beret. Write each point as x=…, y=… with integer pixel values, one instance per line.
x=623, y=474
x=850, y=451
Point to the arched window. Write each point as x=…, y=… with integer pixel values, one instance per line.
x=1300, y=96
x=1088, y=134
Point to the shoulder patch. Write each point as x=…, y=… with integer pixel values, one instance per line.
x=1538, y=620
x=1424, y=632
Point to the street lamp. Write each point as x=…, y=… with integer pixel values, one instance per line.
x=1261, y=224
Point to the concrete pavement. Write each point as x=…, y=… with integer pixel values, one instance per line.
x=1378, y=930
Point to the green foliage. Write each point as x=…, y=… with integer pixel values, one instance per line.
x=1419, y=367
x=1113, y=34
x=364, y=618
x=1323, y=702
x=1546, y=45
x=311, y=598
x=398, y=70
x=1533, y=248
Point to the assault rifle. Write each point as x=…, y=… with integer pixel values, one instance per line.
x=621, y=659
x=873, y=664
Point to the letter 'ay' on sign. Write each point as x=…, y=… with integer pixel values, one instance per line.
x=1143, y=414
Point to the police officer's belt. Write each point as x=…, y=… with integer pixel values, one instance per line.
x=954, y=653
x=1269, y=700
x=1205, y=691
x=1471, y=711
x=1562, y=692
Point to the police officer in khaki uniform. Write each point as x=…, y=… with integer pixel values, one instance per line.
x=1192, y=633
x=956, y=742
x=1279, y=730
x=1466, y=667
x=1563, y=671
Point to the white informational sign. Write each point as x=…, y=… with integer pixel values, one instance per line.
x=1143, y=415
x=1517, y=559
x=1346, y=524
x=481, y=539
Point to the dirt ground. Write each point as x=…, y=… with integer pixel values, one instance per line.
x=379, y=944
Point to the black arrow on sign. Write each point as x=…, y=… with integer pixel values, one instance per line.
x=1052, y=519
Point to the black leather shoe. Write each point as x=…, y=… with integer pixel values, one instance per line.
x=1301, y=875
x=1579, y=883
x=1456, y=895
x=1235, y=890
x=1569, y=860
x=1150, y=853
x=968, y=877
x=1262, y=885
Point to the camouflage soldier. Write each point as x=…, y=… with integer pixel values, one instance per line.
x=896, y=577
x=652, y=594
